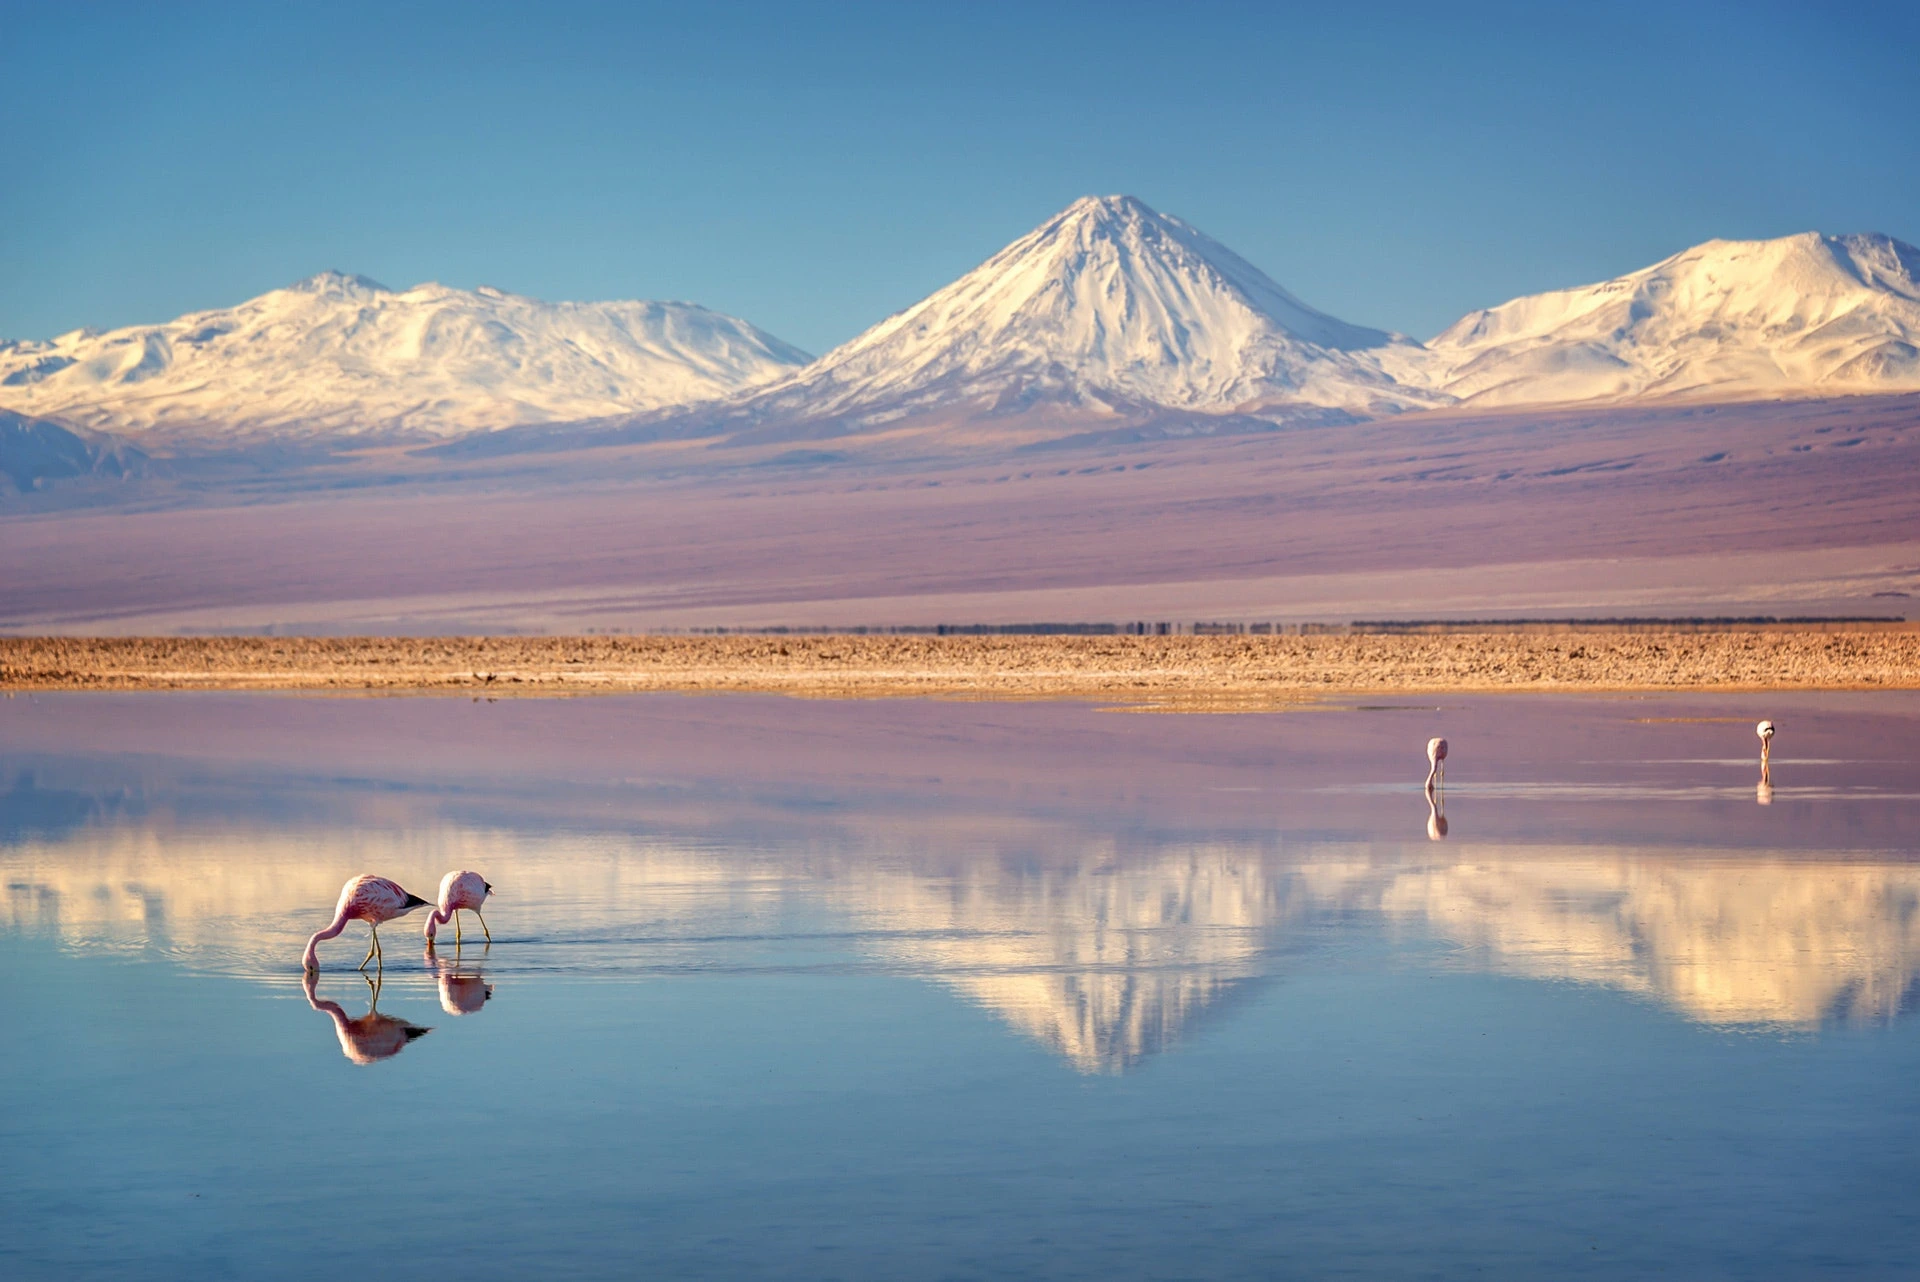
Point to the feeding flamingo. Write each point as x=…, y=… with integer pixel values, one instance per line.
x=459, y=890
x=1436, y=762
x=369, y=899
x=369, y=1037
x=1765, y=731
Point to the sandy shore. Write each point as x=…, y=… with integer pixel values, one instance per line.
x=1165, y=671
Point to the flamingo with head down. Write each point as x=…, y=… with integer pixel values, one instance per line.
x=462, y=889
x=369, y=899
x=1436, y=762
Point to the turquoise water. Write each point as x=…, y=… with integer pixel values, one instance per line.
x=834, y=990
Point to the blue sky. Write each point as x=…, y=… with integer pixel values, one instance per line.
x=815, y=167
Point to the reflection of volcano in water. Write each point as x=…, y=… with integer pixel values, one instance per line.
x=1103, y=958
x=1103, y=963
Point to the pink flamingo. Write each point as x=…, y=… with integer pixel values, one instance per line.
x=369, y=899
x=459, y=890
x=369, y=1037
x=1436, y=762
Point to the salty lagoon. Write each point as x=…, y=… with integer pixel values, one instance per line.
x=872, y=989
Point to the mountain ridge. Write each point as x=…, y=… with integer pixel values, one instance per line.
x=342, y=356
x=1108, y=321
x=1731, y=319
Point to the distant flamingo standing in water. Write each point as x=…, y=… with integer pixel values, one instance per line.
x=459, y=890
x=1436, y=762
x=369, y=899
x=1765, y=731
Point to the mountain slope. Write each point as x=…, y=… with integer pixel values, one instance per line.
x=34, y=451
x=343, y=355
x=1806, y=315
x=1107, y=307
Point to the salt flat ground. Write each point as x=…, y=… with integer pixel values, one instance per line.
x=1768, y=509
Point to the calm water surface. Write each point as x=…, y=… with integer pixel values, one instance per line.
x=790, y=989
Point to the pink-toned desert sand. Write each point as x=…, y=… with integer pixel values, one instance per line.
x=1764, y=509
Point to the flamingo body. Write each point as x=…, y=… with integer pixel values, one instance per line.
x=462, y=889
x=369, y=899
x=1436, y=760
x=1765, y=731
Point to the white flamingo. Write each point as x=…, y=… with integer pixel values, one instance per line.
x=1765, y=731
x=1436, y=763
x=369, y=899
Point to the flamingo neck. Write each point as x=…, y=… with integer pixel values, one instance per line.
x=436, y=919
x=312, y=959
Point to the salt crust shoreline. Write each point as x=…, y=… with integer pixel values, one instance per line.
x=1145, y=671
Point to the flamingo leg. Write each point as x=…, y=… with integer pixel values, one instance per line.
x=483, y=924
x=456, y=928
x=369, y=956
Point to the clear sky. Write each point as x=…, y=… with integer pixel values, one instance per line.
x=814, y=167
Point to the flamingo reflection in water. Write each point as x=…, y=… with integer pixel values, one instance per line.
x=463, y=990
x=1436, y=816
x=369, y=1037
x=369, y=899
x=462, y=889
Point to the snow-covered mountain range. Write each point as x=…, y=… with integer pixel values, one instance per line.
x=1108, y=310
x=1805, y=315
x=1108, y=306
x=339, y=355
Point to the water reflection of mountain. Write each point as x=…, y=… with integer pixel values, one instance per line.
x=1106, y=957
x=1103, y=962
x=1725, y=943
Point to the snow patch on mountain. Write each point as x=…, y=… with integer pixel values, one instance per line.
x=1806, y=315
x=344, y=355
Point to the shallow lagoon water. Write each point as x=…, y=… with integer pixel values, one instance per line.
x=784, y=988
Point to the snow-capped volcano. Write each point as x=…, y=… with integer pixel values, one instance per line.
x=343, y=355
x=1108, y=305
x=1806, y=315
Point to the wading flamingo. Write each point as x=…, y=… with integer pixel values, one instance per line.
x=459, y=890
x=370, y=1037
x=369, y=899
x=1765, y=731
x=1436, y=762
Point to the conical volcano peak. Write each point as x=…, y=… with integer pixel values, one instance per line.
x=1108, y=306
x=1106, y=210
